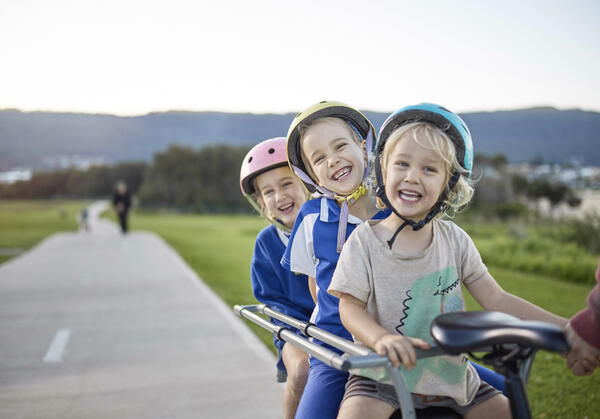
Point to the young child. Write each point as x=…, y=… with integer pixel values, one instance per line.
x=270, y=186
x=327, y=147
x=393, y=281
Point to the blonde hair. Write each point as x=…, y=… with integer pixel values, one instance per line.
x=303, y=127
x=432, y=138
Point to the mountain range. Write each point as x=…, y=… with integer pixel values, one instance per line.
x=41, y=140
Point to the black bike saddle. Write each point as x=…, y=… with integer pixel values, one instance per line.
x=477, y=330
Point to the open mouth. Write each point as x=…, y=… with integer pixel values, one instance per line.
x=286, y=208
x=409, y=196
x=342, y=174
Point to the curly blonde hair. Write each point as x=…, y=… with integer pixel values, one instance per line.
x=432, y=138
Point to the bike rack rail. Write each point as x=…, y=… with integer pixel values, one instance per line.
x=360, y=357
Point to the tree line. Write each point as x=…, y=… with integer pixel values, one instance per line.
x=207, y=180
x=182, y=178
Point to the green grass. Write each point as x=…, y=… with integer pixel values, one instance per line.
x=554, y=392
x=219, y=249
x=24, y=223
x=541, y=248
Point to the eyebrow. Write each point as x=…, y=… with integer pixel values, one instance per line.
x=426, y=160
x=320, y=151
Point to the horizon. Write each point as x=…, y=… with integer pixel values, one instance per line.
x=184, y=111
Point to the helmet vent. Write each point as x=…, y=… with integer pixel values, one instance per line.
x=271, y=151
x=250, y=159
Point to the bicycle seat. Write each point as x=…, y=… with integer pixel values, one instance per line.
x=477, y=330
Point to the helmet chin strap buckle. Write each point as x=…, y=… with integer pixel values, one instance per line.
x=353, y=197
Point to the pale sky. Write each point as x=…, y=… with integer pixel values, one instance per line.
x=130, y=57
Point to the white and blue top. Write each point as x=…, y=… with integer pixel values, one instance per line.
x=274, y=286
x=312, y=251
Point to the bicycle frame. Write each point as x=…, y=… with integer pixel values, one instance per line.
x=516, y=371
x=360, y=357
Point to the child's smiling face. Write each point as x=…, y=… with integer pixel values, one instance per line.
x=281, y=194
x=415, y=177
x=334, y=157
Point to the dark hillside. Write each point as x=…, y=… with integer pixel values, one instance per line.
x=38, y=139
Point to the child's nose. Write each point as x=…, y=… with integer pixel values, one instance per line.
x=412, y=175
x=333, y=160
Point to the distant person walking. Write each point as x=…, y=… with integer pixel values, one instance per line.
x=83, y=219
x=121, y=204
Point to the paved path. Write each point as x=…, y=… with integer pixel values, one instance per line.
x=99, y=325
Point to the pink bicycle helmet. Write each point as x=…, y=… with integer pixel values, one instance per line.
x=266, y=155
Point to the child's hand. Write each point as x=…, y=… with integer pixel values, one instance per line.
x=399, y=349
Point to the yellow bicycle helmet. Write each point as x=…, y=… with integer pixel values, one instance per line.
x=359, y=123
x=326, y=108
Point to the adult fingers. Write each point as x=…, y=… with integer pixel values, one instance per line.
x=588, y=365
x=578, y=369
x=572, y=358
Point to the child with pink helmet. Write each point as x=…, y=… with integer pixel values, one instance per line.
x=277, y=194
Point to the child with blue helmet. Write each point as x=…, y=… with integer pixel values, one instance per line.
x=272, y=188
x=329, y=145
x=394, y=276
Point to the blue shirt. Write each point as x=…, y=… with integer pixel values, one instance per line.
x=312, y=251
x=274, y=286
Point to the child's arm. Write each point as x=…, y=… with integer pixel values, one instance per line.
x=491, y=296
x=397, y=348
x=312, y=287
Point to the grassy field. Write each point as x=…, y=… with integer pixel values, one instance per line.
x=24, y=223
x=219, y=249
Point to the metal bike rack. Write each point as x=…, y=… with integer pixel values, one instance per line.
x=512, y=354
x=360, y=357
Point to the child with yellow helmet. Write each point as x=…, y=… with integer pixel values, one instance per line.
x=328, y=147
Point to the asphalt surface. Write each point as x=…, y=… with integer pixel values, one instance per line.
x=100, y=325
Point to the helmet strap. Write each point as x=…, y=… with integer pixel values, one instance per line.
x=353, y=197
x=440, y=206
x=264, y=214
x=347, y=200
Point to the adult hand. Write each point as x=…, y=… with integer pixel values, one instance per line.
x=583, y=358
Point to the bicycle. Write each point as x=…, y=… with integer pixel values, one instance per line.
x=509, y=343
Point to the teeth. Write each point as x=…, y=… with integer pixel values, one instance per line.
x=341, y=173
x=410, y=196
x=286, y=207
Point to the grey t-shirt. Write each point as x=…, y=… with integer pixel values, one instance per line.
x=404, y=295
